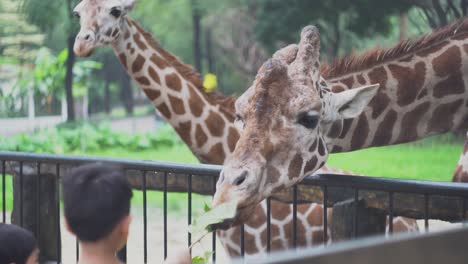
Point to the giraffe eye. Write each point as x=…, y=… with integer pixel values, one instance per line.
x=116, y=12
x=76, y=14
x=308, y=120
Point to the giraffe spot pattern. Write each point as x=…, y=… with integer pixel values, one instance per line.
x=439, y=122
x=462, y=36
x=177, y=105
x=409, y=123
x=295, y=167
x=348, y=82
x=158, y=61
x=123, y=60
x=383, y=134
x=432, y=49
x=138, y=64
x=152, y=94
x=359, y=138
x=139, y=42
x=200, y=136
x=108, y=32
x=183, y=129
x=360, y=79
x=410, y=81
x=195, y=102
x=337, y=88
x=313, y=147
x=233, y=137
x=465, y=47
x=154, y=75
x=346, y=126
x=447, y=62
x=311, y=164
x=217, y=154
x=164, y=110
x=321, y=148
x=143, y=80
x=273, y=175
x=115, y=33
x=173, y=82
x=454, y=84
x=215, y=124
x=335, y=129
x=380, y=101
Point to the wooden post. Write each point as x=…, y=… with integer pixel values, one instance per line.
x=39, y=208
x=370, y=221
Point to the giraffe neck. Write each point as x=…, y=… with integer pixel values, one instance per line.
x=422, y=93
x=203, y=121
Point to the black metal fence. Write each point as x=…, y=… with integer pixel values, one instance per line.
x=36, y=191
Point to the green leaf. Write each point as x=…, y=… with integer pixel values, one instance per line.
x=216, y=215
x=203, y=260
x=206, y=207
x=198, y=260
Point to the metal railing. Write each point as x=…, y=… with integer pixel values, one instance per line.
x=416, y=199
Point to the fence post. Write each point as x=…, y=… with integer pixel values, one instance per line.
x=370, y=221
x=39, y=208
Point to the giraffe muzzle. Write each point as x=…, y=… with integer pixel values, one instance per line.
x=84, y=44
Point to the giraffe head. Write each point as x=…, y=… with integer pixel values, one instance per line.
x=281, y=118
x=102, y=23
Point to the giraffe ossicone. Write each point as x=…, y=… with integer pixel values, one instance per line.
x=281, y=117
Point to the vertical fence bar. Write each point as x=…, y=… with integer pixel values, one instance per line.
x=145, y=219
x=355, y=222
x=325, y=215
x=242, y=240
x=213, y=240
x=57, y=198
x=21, y=193
x=38, y=200
x=4, y=190
x=189, y=210
x=77, y=251
x=426, y=212
x=464, y=209
x=165, y=215
x=390, y=213
x=268, y=213
x=294, y=216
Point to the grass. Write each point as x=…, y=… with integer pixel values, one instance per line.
x=431, y=159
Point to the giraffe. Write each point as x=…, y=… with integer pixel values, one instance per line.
x=423, y=93
x=207, y=126
x=280, y=117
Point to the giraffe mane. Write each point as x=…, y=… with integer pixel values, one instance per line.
x=355, y=63
x=187, y=71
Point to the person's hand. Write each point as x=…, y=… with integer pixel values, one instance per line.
x=179, y=256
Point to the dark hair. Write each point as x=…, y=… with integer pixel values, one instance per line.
x=16, y=244
x=96, y=198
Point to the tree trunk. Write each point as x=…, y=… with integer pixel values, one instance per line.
x=126, y=94
x=107, y=97
x=209, y=51
x=69, y=79
x=196, y=36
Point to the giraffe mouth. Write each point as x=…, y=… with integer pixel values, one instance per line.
x=242, y=215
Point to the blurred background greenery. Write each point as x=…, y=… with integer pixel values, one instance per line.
x=40, y=77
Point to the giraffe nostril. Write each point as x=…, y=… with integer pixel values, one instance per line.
x=87, y=37
x=241, y=179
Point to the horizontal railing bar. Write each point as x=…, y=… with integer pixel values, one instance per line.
x=170, y=167
x=389, y=185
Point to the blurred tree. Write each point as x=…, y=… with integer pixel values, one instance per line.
x=50, y=15
x=336, y=19
x=439, y=13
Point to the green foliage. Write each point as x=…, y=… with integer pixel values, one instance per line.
x=202, y=260
x=87, y=137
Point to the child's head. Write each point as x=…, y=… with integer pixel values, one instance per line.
x=17, y=245
x=96, y=198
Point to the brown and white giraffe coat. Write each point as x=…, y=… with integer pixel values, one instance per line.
x=203, y=142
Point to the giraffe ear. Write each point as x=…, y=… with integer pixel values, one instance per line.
x=351, y=103
x=128, y=4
